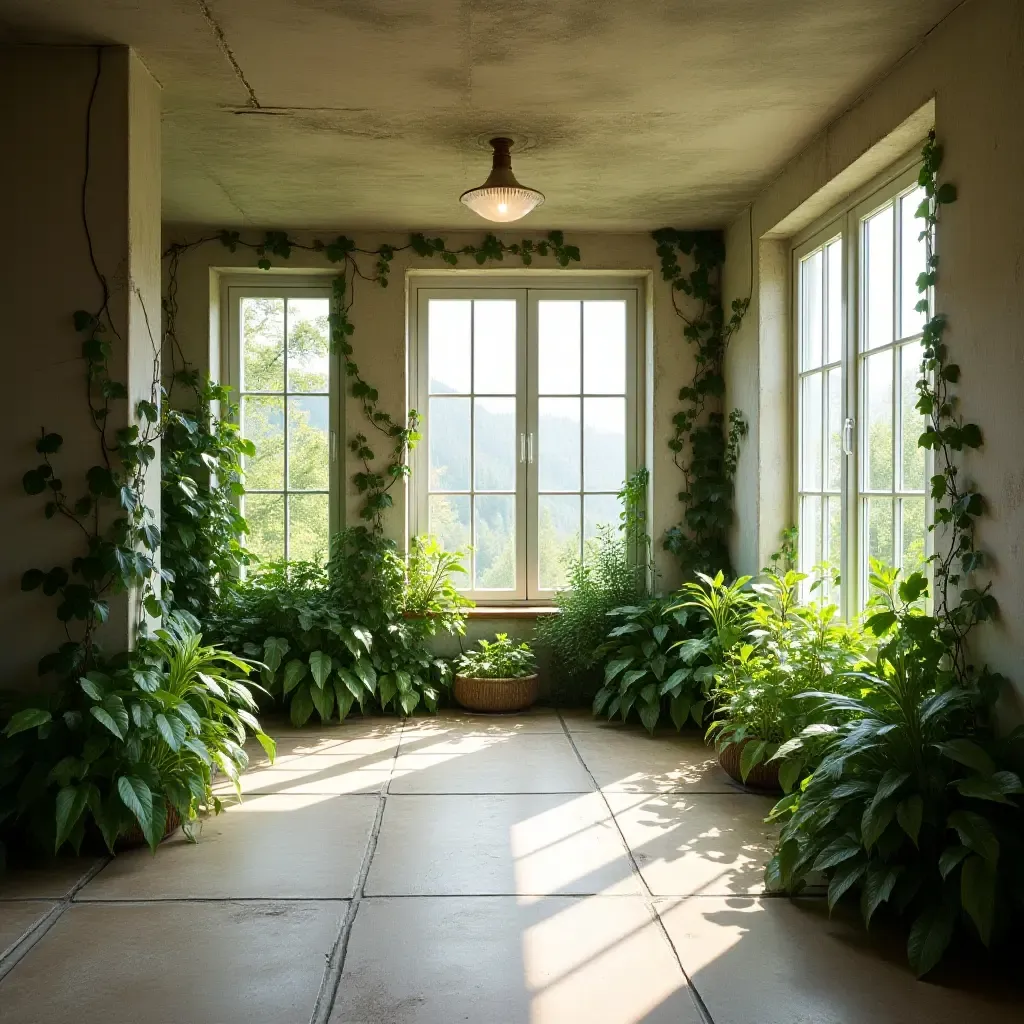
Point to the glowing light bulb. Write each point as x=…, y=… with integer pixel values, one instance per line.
x=501, y=197
x=502, y=207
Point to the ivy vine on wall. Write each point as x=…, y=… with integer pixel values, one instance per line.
x=375, y=481
x=958, y=605
x=705, y=445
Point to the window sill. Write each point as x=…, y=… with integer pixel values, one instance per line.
x=492, y=611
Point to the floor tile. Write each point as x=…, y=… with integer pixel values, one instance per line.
x=453, y=721
x=49, y=880
x=633, y=762
x=690, y=844
x=316, y=774
x=204, y=963
x=501, y=844
x=776, y=961
x=16, y=918
x=518, y=763
x=364, y=742
x=578, y=719
x=598, y=960
x=277, y=847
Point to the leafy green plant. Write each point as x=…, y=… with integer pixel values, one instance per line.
x=705, y=445
x=770, y=649
x=909, y=803
x=430, y=587
x=336, y=636
x=124, y=743
x=202, y=528
x=500, y=658
x=613, y=571
x=656, y=664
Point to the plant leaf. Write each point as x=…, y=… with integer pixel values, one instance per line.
x=975, y=832
x=848, y=873
x=978, y=894
x=909, y=813
x=930, y=935
x=294, y=672
x=29, y=718
x=138, y=798
x=320, y=666
x=71, y=801
x=968, y=753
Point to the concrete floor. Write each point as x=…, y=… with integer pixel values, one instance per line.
x=541, y=868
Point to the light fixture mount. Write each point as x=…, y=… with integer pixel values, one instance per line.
x=501, y=198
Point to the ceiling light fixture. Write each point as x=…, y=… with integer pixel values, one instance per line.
x=501, y=198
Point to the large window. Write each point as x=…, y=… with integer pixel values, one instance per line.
x=284, y=377
x=530, y=422
x=860, y=475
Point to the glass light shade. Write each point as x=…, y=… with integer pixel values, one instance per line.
x=501, y=198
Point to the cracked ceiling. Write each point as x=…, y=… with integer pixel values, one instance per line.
x=359, y=113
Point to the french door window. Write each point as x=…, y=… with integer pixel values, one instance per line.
x=861, y=479
x=284, y=376
x=529, y=423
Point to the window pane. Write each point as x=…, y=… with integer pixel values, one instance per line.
x=449, y=523
x=264, y=514
x=263, y=424
x=834, y=252
x=811, y=414
x=604, y=443
x=913, y=421
x=833, y=546
x=495, y=542
x=558, y=448
x=308, y=527
x=558, y=367
x=810, y=538
x=604, y=347
x=835, y=430
x=599, y=511
x=448, y=334
x=495, y=441
x=494, y=347
x=558, y=537
x=262, y=344
x=913, y=258
x=914, y=536
x=448, y=429
x=877, y=403
x=309, y=466
x=878, y=300
x=309, y=344
x=880, y=534
x=811, y=306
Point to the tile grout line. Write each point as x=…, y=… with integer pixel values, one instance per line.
x=331, y=979
x=652, y=909
x=16, y=952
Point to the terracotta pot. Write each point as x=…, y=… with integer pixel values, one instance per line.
x=496, y=694
x=764, y=776
x=133, y=838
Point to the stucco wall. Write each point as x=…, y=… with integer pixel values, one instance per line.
x=380, y=340
x=46, y=276
x=972, y=68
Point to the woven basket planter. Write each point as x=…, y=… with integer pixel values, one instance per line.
x=133, y=838
x=763, y=776
x=496, y=694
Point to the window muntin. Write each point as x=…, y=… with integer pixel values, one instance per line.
x=529, y=402
x=283, y=374
x=860, y=475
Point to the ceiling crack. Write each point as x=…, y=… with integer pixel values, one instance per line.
x=222, y=42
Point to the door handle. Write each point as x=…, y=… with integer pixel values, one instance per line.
x=848, y=435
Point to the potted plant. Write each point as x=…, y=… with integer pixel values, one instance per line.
x=500, y=676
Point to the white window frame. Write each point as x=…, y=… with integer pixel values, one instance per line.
x=847, y=220
x=235, y=288
x=527, y=290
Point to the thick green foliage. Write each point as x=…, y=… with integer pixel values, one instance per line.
x=352, y=633
x=909, y=803
x=201, y=482
x=125, y=742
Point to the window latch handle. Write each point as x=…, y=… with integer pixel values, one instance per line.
x=848, y=435
x=522, y=447
x=529, y=448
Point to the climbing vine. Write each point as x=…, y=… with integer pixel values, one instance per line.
x=958, y=607
x=704, y=443
x=375, y=481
